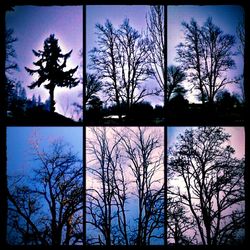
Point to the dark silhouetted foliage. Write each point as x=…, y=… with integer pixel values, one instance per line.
x=51, y=68
x=175, y=77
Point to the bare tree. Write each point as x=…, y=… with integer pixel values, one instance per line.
x=155, y=29
x=121, y=60
x=140, y=149
x=10, y=63
x=207, y=54
x=106, y=201
x=10, y=67
x=46, y=207
x=178, y=223
x=241, y=35
x=114, y=172
x=210, y=185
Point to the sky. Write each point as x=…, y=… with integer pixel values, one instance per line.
x=116, y=14
x=19, y=159
x=32, y=25
x=237, y=139
x=227, y=17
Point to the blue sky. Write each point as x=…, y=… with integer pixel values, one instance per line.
x=227, y=17
x=32, y=25
x=19, y=159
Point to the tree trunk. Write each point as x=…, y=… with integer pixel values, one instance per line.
x=52, y=101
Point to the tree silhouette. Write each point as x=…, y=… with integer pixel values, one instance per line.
x=241, y=36
x=92, y=87
x=94, y=110
x=106, y=199
x=10, y=63
x=210, y=185
x=10, y=66
x=227, y=100
x=121, y=61
x=120, y=177
x=140, y=148
x=45, y=208
x=155, y=28
x=207, y=55
x=51, y=69
x=175, y=77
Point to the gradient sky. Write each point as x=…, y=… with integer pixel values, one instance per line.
x=19, y=159
x=32, y=25
x=227, y=17
x=116, y=14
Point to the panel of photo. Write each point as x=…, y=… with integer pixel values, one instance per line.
x=125, y=65
x=45, y=186
x=205, y=63
x=206, y=186
x=125, y=186
x=44, y=65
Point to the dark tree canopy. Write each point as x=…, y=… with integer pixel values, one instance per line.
x=175, y=78
x=210, y=186
x=207, y=54
x=227, y=100
x=92, y=86
x=51, y=69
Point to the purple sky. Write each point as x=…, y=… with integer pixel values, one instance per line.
x=237, y=139
x=227, y=17
x=32, y=25
x=19, y=159
x=116, y=14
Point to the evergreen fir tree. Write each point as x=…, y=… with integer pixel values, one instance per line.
x=51, y=66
